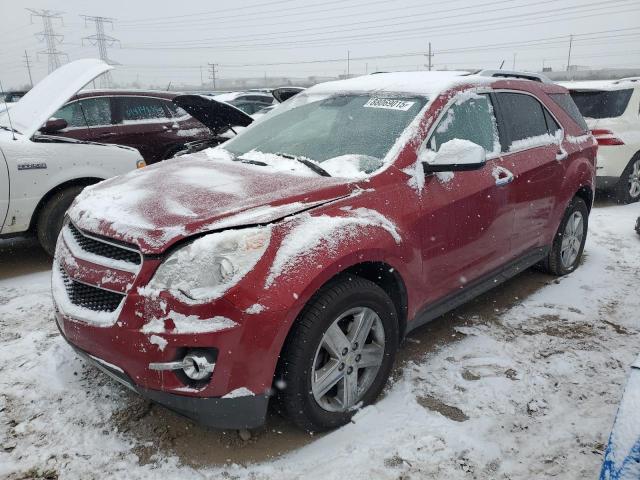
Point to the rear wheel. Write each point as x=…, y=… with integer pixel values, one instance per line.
x=338, y=355
x=628, y=188
x=568, y=244
x=51, y=217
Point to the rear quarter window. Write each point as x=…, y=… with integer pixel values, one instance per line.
x=523, y=115
x=565, y=102
x=602, y=103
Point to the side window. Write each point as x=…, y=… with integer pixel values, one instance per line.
x=92, y=112
x=523, y=115
x=142, y=108
x=175, y=110
x=468, y=119
x=552, y=125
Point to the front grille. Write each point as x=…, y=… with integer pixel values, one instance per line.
x=89, y=297
x=103, y=249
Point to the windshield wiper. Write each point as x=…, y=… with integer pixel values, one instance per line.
x=305, y=161
x=247, y=160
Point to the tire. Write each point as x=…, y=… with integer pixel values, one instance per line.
x=51, y=217
x=556, y=263
x=306, y=350
x=627, y=190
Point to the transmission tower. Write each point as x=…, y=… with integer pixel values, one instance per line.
x=102, y=41
x=49, y=36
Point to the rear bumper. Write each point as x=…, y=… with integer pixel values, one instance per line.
x=605, y=183
x=217, y=412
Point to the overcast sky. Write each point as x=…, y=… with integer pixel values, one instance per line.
x=166, y=40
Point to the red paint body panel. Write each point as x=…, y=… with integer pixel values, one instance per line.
x=452, y=233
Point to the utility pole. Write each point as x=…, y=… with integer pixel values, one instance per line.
x=26, y=61
x=569, y=56
x=201, y=80
x=514, y=61
x=212, y=75
x=366, y=68
x=348, y=62
x=49, y=36
x=102, y=41
x=429, y=57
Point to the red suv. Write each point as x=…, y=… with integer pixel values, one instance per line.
x=291, y=261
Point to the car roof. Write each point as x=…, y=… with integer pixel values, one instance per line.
x=424, y=83
x=608, y=85
x=123, y=92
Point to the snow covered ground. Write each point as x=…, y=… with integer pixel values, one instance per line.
x=523, y=383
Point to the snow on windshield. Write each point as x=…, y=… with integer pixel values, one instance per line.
x=349, y=135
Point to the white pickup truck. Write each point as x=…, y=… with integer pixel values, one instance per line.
x=41, y=174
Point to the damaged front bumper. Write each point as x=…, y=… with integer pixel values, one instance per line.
x=217, y=412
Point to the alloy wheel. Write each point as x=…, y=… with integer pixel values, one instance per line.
x=572, y=239
x=348, y=359
x=634, y=180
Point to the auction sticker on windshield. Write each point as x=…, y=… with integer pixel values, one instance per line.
x=389, y=103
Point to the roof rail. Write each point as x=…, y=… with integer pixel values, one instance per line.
x=628, y=79
x=520, y=75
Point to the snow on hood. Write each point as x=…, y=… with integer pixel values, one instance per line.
x=158, y=205
x=51, y=93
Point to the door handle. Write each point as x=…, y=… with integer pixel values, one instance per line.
x=502, y=176
x=561, y=154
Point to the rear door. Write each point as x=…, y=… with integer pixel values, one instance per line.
x=536, y=158
x=4, y=189
x=89, y=119
x=147, y=125
x=468, y=220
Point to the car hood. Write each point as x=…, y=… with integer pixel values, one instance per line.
x=217, y=116
x=51, y=93
x=157, y=206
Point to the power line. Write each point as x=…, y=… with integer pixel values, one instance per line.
x=212, y=74
x=49, y=36
x=102, y=41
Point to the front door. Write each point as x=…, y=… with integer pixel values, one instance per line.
x=467, y=216
x=89, y=119
x=4, y=189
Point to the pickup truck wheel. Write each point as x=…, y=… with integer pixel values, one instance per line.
x=338, y=355
x=568, y=244
x=628, y=188
x=51, y=217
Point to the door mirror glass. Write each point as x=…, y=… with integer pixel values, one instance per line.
x=54, y=125
x=454, y=155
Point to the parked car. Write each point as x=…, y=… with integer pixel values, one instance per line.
x=146, y=120
x=248, y=102
x=7, y=99
x=40, y=175
x=611, y=111
x=295, y=257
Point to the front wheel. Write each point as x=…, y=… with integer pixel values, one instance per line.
x=51, y=217
x=568, y=244
x=338, y=355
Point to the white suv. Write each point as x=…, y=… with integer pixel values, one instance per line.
x=40, y=175
x=612, y=111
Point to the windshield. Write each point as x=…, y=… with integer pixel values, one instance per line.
x=601, y=103
x=348, y=134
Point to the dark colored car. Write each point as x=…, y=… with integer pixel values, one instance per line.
x=13, y=96
x=146, y=120
x=295, y=259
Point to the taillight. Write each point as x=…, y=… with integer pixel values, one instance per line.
x=605, y=137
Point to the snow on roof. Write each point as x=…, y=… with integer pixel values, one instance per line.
x=598, y=85
x=419, y=83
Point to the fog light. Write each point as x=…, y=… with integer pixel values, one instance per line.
x=195, y=366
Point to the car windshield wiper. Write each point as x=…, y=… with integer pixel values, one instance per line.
x=305, y=161
x=247, y=160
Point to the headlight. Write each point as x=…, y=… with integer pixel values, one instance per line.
x=206, y=268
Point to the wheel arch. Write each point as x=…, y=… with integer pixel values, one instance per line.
x=586, y=193
x=84, y=182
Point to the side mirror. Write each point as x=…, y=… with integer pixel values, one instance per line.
x=54, y=125
x=454, y=155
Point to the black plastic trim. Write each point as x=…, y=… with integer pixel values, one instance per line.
x=477, y=287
